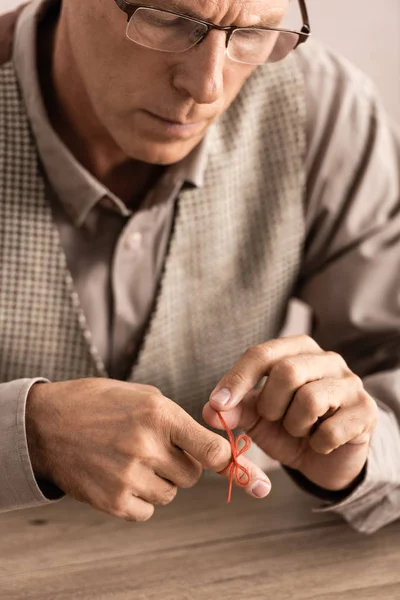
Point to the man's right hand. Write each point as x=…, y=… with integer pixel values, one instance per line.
x=121, y=447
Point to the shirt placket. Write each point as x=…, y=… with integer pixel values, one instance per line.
x=136, y=269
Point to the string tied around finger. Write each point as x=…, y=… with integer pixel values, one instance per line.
x=235, y=468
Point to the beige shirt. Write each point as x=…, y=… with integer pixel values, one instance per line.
x=116, y=257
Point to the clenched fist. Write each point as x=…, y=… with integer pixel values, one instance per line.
x=121, y=447
x=313, y=413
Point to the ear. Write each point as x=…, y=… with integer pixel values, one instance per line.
x=7, y=27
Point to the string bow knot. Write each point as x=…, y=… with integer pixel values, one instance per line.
x=234, y=467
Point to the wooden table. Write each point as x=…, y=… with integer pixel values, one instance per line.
x=197, y=548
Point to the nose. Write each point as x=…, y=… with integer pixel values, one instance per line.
x=200, y=72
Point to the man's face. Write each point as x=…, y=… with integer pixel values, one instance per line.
x=132, y=88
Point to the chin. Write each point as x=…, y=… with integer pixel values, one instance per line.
x=159, y=153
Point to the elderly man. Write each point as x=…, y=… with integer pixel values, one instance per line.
x=171, y=174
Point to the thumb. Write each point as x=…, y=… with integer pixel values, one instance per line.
x=210, y=449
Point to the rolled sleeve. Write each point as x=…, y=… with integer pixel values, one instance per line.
x=350, y=271
x=376, y=501
x=18, y=486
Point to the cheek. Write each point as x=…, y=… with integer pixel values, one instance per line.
x=120, y=81
x=236, y=76
x=114, y=71
x=118, y=92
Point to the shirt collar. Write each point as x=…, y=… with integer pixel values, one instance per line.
x=77, y=190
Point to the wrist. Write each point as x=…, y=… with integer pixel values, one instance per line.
x=34, y=436
x=333, y=496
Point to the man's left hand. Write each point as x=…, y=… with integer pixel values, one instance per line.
x=312, y=414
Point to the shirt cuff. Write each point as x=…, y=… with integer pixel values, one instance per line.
x=376, y=500
x=328, y=495
x=18, y=486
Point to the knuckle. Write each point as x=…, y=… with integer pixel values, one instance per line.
x=157, y=412
x=319, y=444
x=118, y=506
x=338, y=358
x=143, y=447
x=330, y=434
x=214, y=453
x=235, y=379
x=155, y=402
x=152, y=389
x=119, y=486
x=309, y=341
x=370, y=408
x=309, y=400
x=357, y=381
x=375, y=415
x=262, y=353
x=123, y=447
x=190, y=478
x=363, y=431
x=143, y=516
x=368, y=405
x=285, y=370
x=293, y=428
x=168, y=496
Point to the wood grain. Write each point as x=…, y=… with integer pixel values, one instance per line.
x=197, y=548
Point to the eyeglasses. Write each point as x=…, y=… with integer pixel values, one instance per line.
x=170, y=31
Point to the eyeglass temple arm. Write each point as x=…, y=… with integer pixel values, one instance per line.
x=126, y=7
x=304, y=14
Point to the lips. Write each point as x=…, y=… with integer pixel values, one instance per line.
x=175, y=121
x=175, y=128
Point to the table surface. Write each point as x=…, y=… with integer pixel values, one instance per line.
x=197, y=548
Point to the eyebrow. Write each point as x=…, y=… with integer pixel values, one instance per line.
x=178, y=7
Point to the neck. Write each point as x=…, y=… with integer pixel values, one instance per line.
x=80, y=130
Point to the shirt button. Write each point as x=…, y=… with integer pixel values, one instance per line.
x=134, y=241
x=106, y=203
x=130, y=349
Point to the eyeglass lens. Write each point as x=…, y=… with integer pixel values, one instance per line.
x=167, y=32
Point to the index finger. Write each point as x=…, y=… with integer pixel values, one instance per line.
x=255, y=364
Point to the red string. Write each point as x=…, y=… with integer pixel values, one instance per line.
x=234, y=466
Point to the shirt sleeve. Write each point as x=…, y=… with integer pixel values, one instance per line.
x=18, y=485
x=350, y=275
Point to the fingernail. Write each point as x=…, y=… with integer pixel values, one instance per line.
x=261, y=488
x=222, y=397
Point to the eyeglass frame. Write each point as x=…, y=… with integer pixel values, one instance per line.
x=129, y=9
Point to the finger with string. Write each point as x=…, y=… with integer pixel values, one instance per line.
x=223, y=457
x=271, y=437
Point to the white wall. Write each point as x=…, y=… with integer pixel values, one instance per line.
x=368, y=33
x=8, y=5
